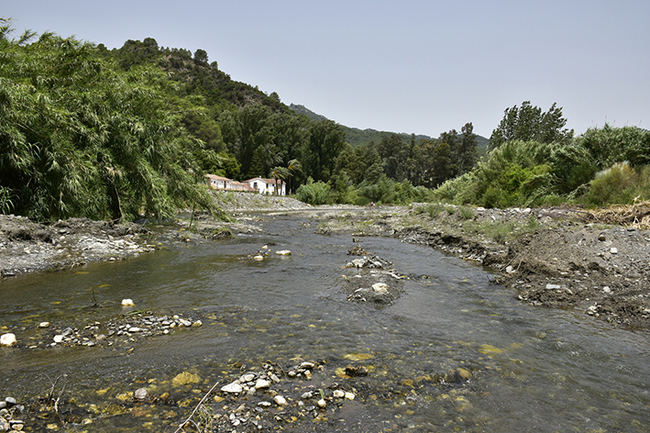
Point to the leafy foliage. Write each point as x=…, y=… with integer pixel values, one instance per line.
x=530, y=123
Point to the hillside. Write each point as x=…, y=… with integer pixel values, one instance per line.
x=358, y=137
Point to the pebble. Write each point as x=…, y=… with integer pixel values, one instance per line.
x=135, y=329
x=510, y=269
x=338, y=393
x=607, y=290
x=349, y=395
x=613, y=250
x=279, y=400
x=233, y=388
x=553, y=286
x=141, y=394
x=126, y=302
x=262, y=384
x=283, y=253
x=185, y=322
x=10, y=401
x=321, y=403
x=197, y=324
x=248, y=377
x=44, y=325
x=8, y=339
x=258, y=258
x=601, y=237
x=264, y=404
x=58, y=338
x=380, y=288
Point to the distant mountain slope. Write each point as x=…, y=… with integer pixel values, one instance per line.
x=357, y=137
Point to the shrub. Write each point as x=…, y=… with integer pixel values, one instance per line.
x=314, y=193
x=619, y=184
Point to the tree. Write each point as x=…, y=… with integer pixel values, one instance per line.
x=326, y=140
x=529, y=122
x=200, y=57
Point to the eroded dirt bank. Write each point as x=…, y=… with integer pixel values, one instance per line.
x=555, y=257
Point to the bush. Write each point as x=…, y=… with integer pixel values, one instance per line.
x=619, y=184
x=314, y=193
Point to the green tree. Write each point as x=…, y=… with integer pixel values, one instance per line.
x=529, y=122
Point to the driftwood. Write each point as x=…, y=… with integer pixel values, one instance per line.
x=189, y=418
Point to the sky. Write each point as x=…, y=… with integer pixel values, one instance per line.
x=404, y=66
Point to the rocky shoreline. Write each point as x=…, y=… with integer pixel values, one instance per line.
x=554, y=257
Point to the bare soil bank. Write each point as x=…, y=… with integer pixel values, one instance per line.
x=552, y=257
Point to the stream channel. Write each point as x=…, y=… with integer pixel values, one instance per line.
x=532, y=369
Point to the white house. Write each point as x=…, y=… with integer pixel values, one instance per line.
x=267, y=186
x=219, y=182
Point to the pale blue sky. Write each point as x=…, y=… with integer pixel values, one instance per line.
x=406, y=66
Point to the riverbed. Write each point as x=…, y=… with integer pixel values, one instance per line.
x=529, y=369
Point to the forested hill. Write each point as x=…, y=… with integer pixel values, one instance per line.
x=358, y=137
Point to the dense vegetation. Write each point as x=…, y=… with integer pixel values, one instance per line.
x=535, y=162
x=129, y=132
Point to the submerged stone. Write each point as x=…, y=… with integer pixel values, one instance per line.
x=8, y=339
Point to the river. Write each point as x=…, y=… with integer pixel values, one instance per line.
x=532, y=369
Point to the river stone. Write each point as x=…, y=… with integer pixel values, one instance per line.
x=126, y=302
x=141, y=394
x=349, y=396
x=321, y=403
x=463, y=374
x=197, y=324
x=380, y=288
x=232, y=388
x=248, y=377
x=338, y=393
x=283, y=253
x=4, y=425
x=10, y=401
x=307, y=364
x=3, y=404
x=613, y=250
x=44, y=325
x=258, y=258
x=185, y=322
x=135, y=329
x=58, y=338
x=262, y=384
x=279, y=400
x=553, y=286
x=8, y=339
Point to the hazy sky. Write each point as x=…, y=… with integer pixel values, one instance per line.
x=406, y=66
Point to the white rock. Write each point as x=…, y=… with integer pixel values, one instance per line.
x=338, y=393
x=307, y=364
x=58, y=338
x=283, y=253
x=258, y=258
x=274, y=378
x=380, y=288
x=248, y=377
x=262, y=384
x=44, y=325
x=264, y=403
x=185, y=322
x=135, y=329
x=126, y=302
x=233, y=388
x=307, y=395
x=553, y=286
x=510, y=269
x=321, y=403
x=8, y=339
x=279, y=400
x=613, y=250
x=349, y=396
x=197, y=324
x=141, y=394
x=606, y=289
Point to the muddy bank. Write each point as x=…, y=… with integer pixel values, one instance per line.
x=550, y=257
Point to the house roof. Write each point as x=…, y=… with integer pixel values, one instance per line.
x=245, y=186
x=271, y=181
x=215, y=177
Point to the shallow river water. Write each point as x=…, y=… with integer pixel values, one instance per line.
x=532, y=369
